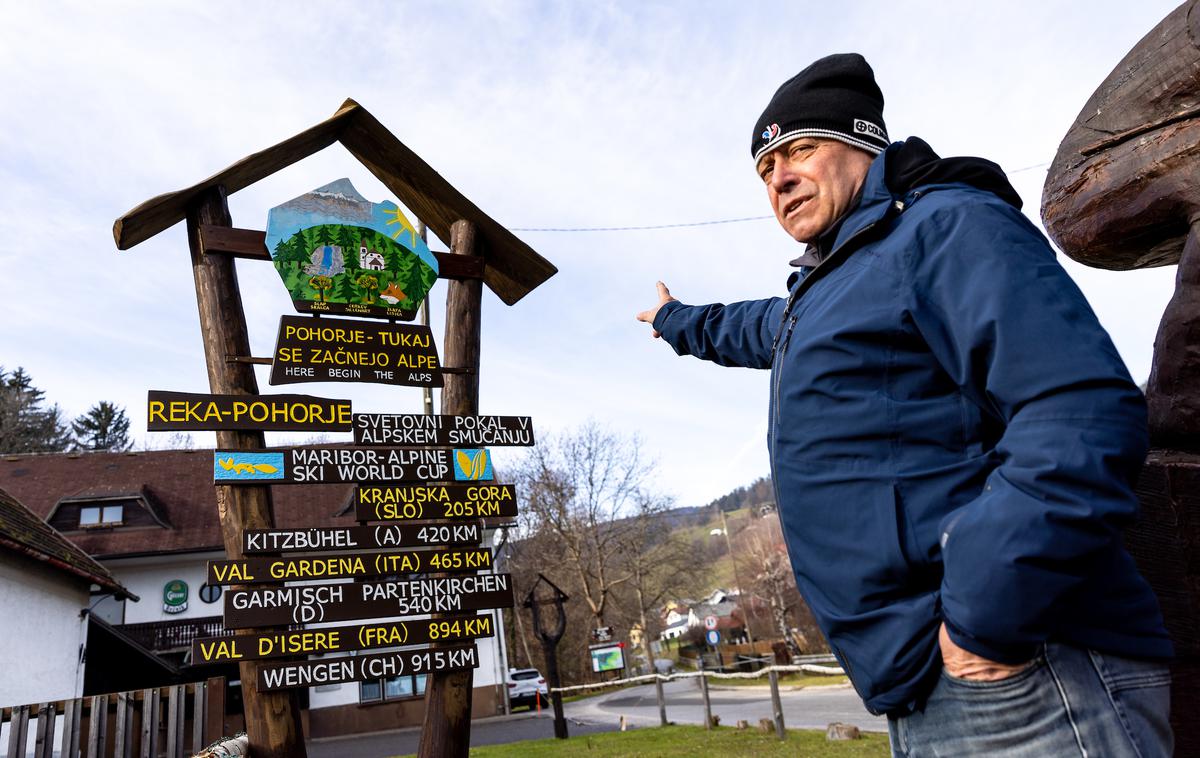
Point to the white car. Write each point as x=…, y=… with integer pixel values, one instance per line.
x=524, y=686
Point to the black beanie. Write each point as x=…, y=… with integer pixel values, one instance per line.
x=836, y=98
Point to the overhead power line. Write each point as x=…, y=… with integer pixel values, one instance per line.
x=686, y=224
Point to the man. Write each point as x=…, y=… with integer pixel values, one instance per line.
x=953, y=438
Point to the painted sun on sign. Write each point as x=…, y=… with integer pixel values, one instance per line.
x=337, y=252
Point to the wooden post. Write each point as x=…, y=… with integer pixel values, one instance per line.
x=446, y=731
x=708, y=722
x=776, y=704
x=662, y=701
x=272, y=719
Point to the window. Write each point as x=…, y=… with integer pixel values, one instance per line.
x=392, y=688
x=101, y=515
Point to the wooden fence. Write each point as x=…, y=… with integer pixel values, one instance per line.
x=147, y=723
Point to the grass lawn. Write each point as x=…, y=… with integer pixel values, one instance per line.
x=690, y=741
x=785, y=680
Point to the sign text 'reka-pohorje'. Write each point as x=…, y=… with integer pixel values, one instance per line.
x=455, y=501
x=312, y=603
x=258, y=570
x=185, y=411
x=257, y=541
x=280, y=676
x=342, y=350
x=441, y=431
x=340, y=639
x=348, y=465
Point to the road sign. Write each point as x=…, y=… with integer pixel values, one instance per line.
x=339, y=639
x=341, y=465
x=258, y=541
x=443, y=431
x=343, y=350
x=342, y=566
x=185, y=411
x=713, y=637
x=314, y=603
x=710, y=622
x=602, y=634
x=454, y=501
x=281, y=676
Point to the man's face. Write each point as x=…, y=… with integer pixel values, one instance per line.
x=811, y=183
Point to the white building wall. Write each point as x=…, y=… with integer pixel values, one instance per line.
x=146, y=577
x=41, y=632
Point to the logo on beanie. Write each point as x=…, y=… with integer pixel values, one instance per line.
x=771, y=132
x=866, y=127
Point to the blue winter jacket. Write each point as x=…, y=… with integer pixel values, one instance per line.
x=953, y=438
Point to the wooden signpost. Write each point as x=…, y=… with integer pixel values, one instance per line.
x=358, y=259
x=452, y=501
x=259, y=541
x=342, y=566
x=279, y=676
x=189, y=412
x=445, y=431
x=338, y=639
x=341, y=601
x=340, y=350
x=343, y=465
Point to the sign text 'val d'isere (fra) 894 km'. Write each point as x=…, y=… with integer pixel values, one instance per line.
x=426, y=480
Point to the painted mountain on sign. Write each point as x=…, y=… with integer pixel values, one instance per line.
x=338, y=252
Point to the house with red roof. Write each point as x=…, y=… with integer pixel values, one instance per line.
x=148, y=520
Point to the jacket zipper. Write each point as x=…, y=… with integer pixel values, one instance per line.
x=783, y=337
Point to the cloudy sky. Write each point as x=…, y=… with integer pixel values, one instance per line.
x=567, y=114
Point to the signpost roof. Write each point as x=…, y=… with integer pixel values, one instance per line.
x=512, y=270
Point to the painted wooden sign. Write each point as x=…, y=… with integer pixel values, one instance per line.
x=185, y=411
x=338, y=252
x=340, y=639
x=348, y=465
x=360, y=668
x=314, y=603
x=306, y=568
x=342, y=350
x=441, y=431
x=259, y=541
x=457, y=501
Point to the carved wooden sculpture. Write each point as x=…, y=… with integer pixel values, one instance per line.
x=1124, y=193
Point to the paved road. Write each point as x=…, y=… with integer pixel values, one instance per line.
x=807, y=708
x=810, y=708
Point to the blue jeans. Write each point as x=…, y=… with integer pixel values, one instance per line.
x=1069, y=702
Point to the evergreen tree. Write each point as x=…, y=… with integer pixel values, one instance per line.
x=26, y=424
x=345, y=289
x=104, y=427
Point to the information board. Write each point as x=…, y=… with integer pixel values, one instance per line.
x=260, y=541
x=340, y=639
x=454, y=501
x=310, y=603
x=345, y=465
x=344, y=350
x=340, y=566
x=442, y=431
x=189, y=412
x=359, y=668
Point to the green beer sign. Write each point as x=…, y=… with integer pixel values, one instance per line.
x=175, y=596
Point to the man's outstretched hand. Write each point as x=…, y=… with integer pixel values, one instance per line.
x=664, y=296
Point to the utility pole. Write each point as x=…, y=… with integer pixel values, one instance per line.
x=736, y=578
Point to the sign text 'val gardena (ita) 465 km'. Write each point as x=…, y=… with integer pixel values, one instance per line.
x=340, y=254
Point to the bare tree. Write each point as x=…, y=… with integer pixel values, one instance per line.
x=661, y=564
x=763, y=560
x=582, y=490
